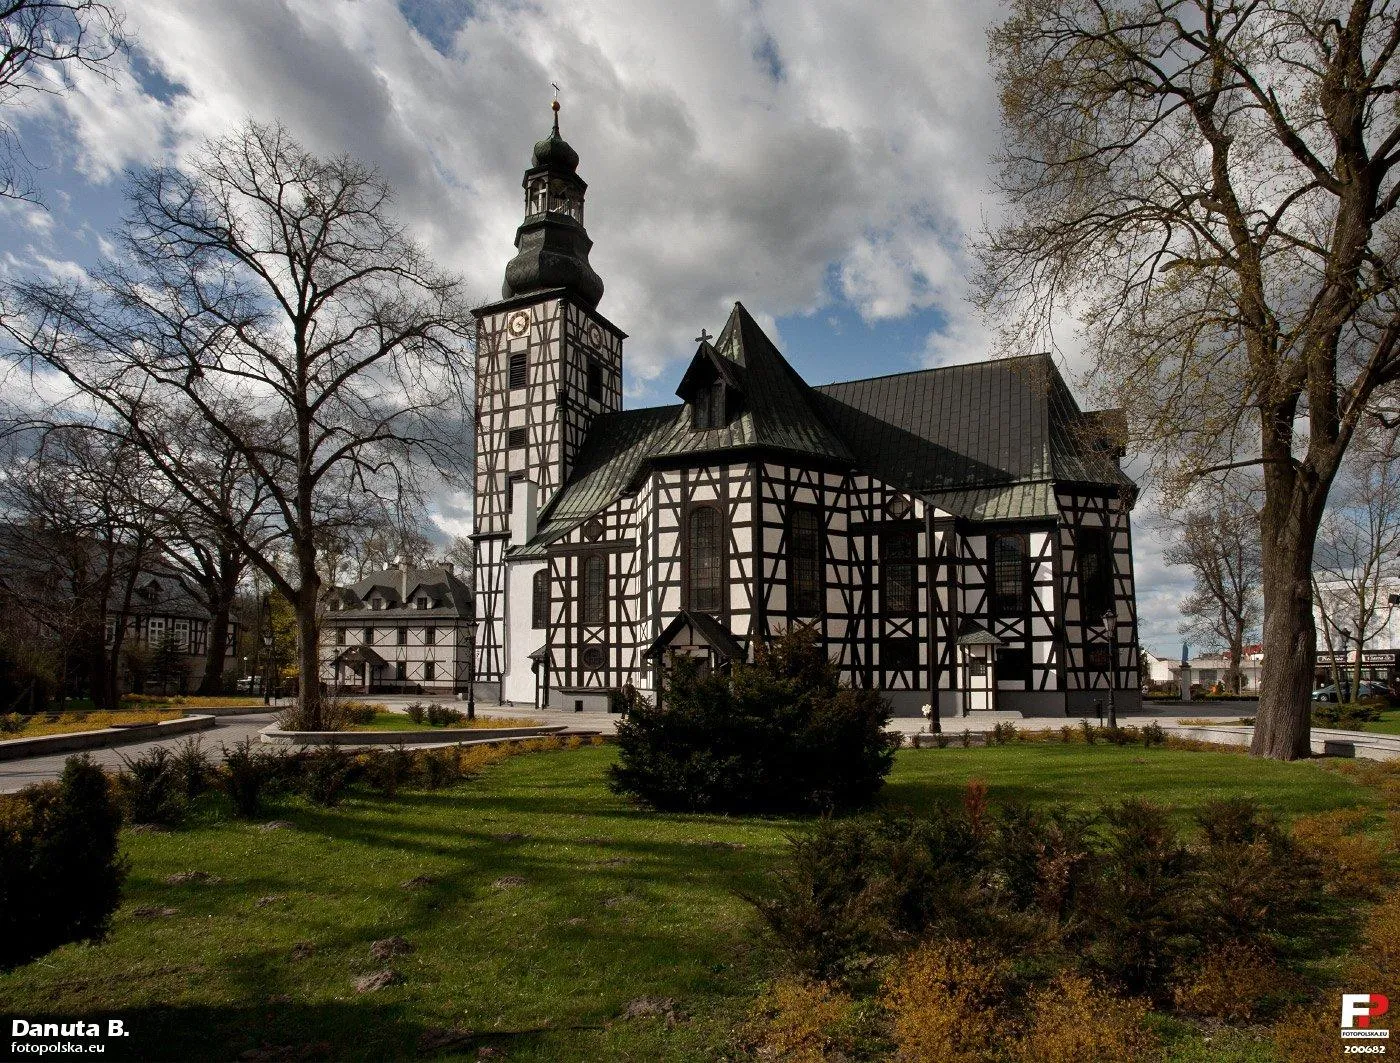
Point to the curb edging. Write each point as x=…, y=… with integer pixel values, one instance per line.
x=104, y=738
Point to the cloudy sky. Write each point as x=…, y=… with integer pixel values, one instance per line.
x=823, y=166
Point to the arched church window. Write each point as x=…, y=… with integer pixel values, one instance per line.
x=539, y=604
x=594, y=599
x=805, y=561
x=705, y=560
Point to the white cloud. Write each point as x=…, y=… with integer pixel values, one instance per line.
x=711, y=180
x=734, y=149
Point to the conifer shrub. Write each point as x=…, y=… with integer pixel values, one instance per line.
x=858, y=888
x=327, y=774
x=60, y=870
x=416, y=712
x=247, y=775
x=152, y=788
x=389, y=770
x=1143, y=876
x=191, y=765
x=781, y=734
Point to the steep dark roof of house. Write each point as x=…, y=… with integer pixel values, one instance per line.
x=397, y=586
x=984, y=440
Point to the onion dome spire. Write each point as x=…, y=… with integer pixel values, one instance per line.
x=551, y=244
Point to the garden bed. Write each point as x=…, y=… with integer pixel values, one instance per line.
x=385, y=720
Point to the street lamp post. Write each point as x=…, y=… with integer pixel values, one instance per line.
x=266, y=624
x=1110, y=623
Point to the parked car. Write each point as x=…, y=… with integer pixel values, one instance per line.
x=1368, y=691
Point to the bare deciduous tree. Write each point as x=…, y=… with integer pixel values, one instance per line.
x=1358, y=547
x=1209, y=187
x=268, y=294
x=76, y=542
x=39, y=40
x=1219, y=543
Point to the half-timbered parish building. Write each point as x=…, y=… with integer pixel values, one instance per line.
x=401, y=630
x=959, y=535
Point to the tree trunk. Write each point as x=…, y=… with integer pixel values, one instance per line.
x=309, y=643
x=221, y=604
x=1282, y=725
x=217, y=653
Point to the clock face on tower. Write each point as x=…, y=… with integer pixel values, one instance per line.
x=595, y=335
x=518, y=324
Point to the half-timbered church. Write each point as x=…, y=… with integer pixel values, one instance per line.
x=958, y=535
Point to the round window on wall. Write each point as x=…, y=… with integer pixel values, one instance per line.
x=594, y=658
x=899, y=507
x=593, y=530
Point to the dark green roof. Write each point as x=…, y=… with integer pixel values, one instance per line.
x=985, y=440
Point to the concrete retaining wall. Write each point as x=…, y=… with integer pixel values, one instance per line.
x=436, y=736
x=47, y=745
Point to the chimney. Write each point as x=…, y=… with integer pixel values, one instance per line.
x=524, y=511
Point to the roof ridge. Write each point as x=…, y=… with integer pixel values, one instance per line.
x=937, y=369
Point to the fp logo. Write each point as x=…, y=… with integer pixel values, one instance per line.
x=1358, y=1009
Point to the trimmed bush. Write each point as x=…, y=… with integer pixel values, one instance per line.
x=941, y=999
x=443, y=715
x=1352, y=862
x=415, y=711
x=1072, y=1021
x=780, y=734
x=60, y=870
x=800, y=1022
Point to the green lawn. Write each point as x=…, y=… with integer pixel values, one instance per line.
x=602, y=904
x=1388, y=724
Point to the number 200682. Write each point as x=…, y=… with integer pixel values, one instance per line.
x=1363, y=1050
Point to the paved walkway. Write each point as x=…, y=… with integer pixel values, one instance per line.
x=229, y=730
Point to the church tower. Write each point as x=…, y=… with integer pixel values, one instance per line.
x=547, y=363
